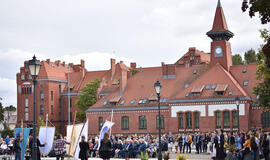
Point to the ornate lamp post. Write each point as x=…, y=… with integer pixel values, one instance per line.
x=34, y=67
x=157, y=87
x=237, y=102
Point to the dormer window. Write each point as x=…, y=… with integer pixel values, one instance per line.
x=152, y=102
x=196, y=91
x=194, y=71
x=207, y=87
x=246, y=83
x=114, y=100
x=163, y=100
x=187, y=94
x=142, y=101
x=122, y=102
x=105, y=103
x=230, y=93
x=186, y=85
x=132, y=102
x=220, y=89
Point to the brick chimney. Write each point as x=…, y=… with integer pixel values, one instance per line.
x=123, y=79
x=112, y=68
x=83, y=70
x=168, y=71
x=82, y=63
x=133, y=65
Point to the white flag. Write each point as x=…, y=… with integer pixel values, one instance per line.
x=85, y=134
x=106, y=126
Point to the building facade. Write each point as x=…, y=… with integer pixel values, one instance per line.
x=198, y=92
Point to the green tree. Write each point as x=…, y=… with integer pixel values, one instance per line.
x=87, y=98
x=250, y=56
x=7, y=131
x=261, y=7
x=10, y=108
x=262, y=89
x=237, y=60
x=1, y=112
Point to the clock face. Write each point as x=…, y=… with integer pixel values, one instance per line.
x=218, y=51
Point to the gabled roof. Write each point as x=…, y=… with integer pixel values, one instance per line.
x=249, y=74
x=215, y=75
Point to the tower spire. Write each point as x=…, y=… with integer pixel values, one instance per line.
x=219, y=4
x=219, y=29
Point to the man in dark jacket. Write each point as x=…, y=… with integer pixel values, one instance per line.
x=31, y=146
x=16, y=147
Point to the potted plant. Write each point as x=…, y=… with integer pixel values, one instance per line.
x=181, y=157
x=144, y=156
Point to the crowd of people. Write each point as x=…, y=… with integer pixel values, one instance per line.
x=252, y=145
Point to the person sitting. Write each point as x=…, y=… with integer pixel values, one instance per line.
x=4, y=148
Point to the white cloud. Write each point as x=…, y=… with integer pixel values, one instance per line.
x=8, y=91
x=13, y=59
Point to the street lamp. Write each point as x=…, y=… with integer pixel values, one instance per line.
x=237, y=102
x=158, y=87
x=34, y=66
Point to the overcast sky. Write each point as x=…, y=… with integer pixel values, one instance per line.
x=145, y=31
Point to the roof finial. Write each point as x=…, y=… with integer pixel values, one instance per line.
x=219, y=4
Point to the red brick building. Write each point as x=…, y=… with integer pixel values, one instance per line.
x=198, y=91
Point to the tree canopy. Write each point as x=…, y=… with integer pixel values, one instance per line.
x=262, y=89
x=237, y=60
x=10, y=108
x=1, y=112
x=87, y=98
x=250, y=56
x=261, y=7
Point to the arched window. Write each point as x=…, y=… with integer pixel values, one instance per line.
x=188, y=120
x=161, y=122
x=226, y=119
x=218, y=122
x=196, y=120
x=142, y=122
x=181, y=120
x=125, y=123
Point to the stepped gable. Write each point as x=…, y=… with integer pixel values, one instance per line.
x=53, y=70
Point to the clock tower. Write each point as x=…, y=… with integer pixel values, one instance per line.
x=220, y=46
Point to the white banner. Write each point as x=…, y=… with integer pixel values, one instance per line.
x=46, y=134
x=85, y=134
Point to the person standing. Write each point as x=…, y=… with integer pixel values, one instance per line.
x=31, y=141
x=59, y=146
x=220, y=146
x=84, y=147
x=198, y=143
x=265, y=147
x=105, y=147
x=254, y=148
x=189, y=141
x=180, y=143
x=16, y=147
